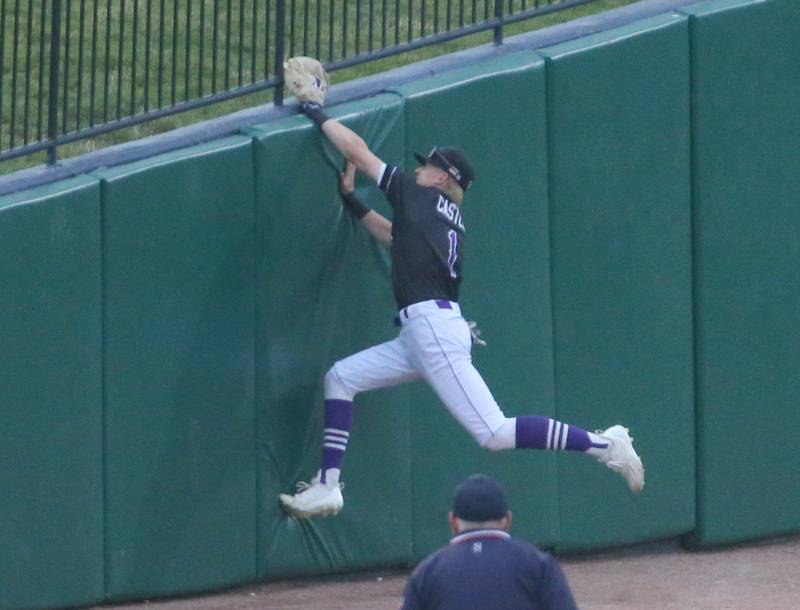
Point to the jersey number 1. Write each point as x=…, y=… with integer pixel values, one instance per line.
x=453, y=256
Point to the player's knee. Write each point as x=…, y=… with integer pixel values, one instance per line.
x=503, y=438
x=492, y=444
x=335, y=387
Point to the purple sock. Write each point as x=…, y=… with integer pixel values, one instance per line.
x=536, y=432
x=338, y=423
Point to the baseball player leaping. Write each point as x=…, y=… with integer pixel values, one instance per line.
x=426, y=240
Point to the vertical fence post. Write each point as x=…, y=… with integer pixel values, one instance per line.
x=280, y=45
x=55, y=59
x=498, y=30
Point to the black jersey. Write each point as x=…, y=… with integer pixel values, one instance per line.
x=483, y=569
x=427, y=240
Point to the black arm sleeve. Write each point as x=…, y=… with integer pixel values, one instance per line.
x=315, y=112
x=354, y=205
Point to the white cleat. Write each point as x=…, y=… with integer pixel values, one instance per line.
x=621, y=457
x=313, y=499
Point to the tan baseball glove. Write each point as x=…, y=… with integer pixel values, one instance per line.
x=306, y=79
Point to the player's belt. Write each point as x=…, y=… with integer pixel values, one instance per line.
x=425, y=308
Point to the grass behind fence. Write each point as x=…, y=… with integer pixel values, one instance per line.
x=126, y=57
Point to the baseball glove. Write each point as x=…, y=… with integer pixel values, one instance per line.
x=306, y=79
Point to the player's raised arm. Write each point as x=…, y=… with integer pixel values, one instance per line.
x=348, y=142
x=378, y=226
x=306, y=78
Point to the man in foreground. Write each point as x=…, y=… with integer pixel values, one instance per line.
x=483, y=566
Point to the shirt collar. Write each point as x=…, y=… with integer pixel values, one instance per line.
x=481, y=533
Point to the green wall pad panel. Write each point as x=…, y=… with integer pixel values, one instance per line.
x=179, y=254
x=506, y=286
x=746, y=144
x=51, y=520
x=618, y=118
x=324, y=292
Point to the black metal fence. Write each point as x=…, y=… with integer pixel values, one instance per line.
x=74, y=69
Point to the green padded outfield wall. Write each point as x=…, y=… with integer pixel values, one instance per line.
x=618, y=119
x=746, y=167
x=51, y=448
x=201, y=296
x=324, y=292
x=179, y=326
x=506, y=286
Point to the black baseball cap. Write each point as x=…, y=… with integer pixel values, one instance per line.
x=480, y=498
x=451, y=160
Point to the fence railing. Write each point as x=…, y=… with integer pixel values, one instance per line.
x=75, y=69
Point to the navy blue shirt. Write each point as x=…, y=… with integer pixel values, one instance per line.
x=427, y=240
x=488, y=570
